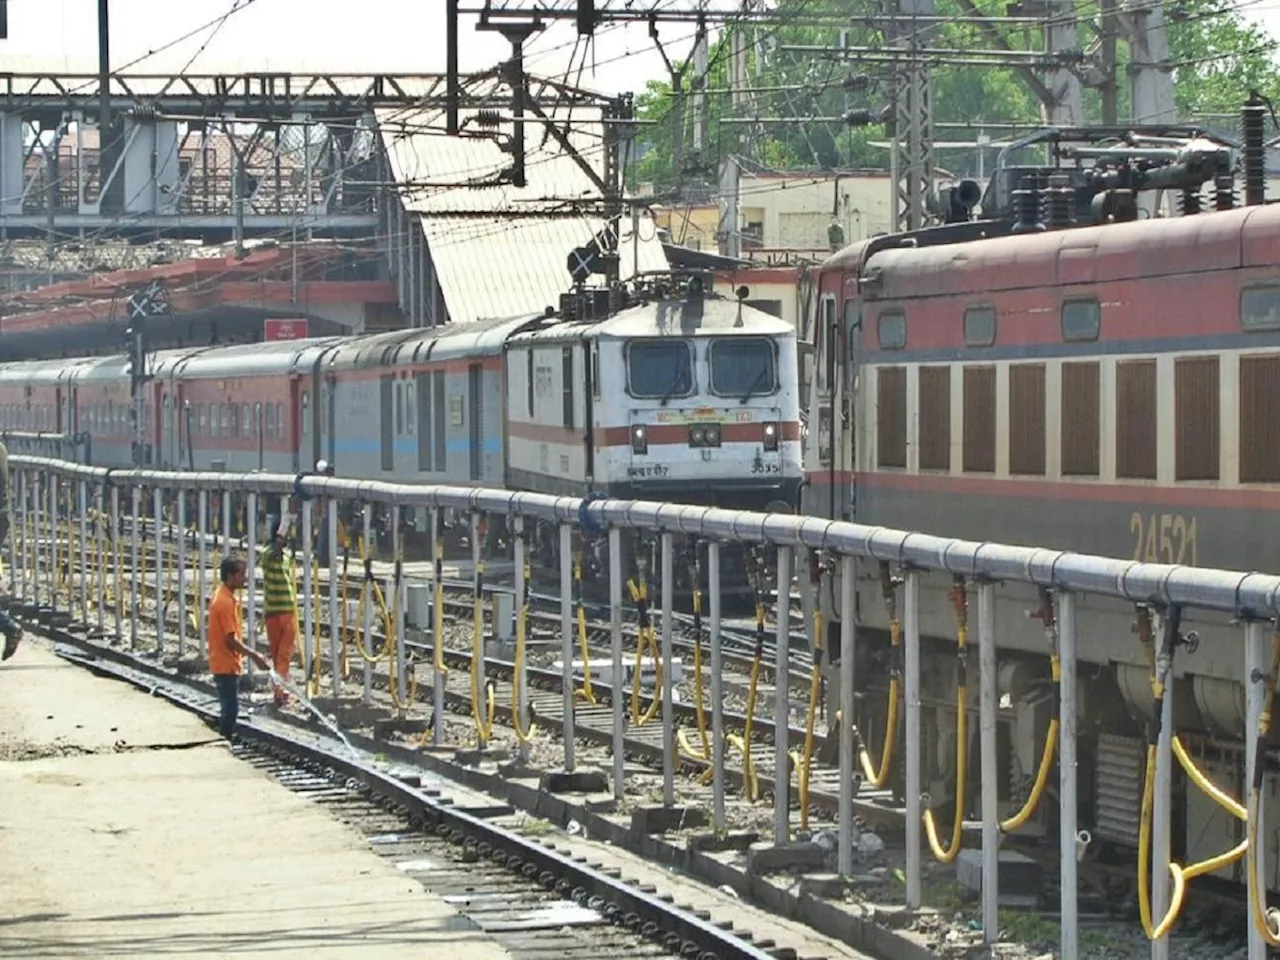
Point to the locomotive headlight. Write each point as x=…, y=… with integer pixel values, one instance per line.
x=639, y=439
x=771, y=436
x=697, y=437
x=713, y=435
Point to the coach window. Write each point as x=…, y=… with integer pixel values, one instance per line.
x=202, y=420
x=1026, y=419
x=1259, y=426
x=306, y=412
x=1260, y=307
x=399, y=408
x=1136, y=420
x=979, y=326
x=979, y=420
x=566, y=384
x=934, y=420
x=246, y=422
x=1081, y=418
x=529, y=381
x=659, y=369
x=256, y=425
x=891, y=417
x=1196, y=418
x=891, y=330
x=743, y=367
x=830, y=337
x=270, y=426
x=1081, y=320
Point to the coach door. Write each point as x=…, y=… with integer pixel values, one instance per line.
x=475, y=384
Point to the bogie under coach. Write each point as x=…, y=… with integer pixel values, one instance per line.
x=1074, y=383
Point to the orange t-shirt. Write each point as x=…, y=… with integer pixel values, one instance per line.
x=224, y=618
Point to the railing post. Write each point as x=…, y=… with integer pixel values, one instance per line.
x=911, y=599
x=366, y=514
x=848, y=630
x=182, y=571
x=397, y=592
x=477, y=559
x=160, y=572
x=717, y=687
x=522, y=699
x=51, y=522
x=202, y=560
x=100, y=561
x=17, y=520
x=668, y=675
x=251, y=577
x=136, y=583
x=82, y=505
x=1067, y=775
x=615, y=654
x=566, y=638
x=1255, y=685
x=990, y=761
x=117, y=574
x=309, y=651
x=335, y=621
x=782, y=703
x=36, y=563
x=437, y=629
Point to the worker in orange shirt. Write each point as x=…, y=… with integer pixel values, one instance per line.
x=226, y=644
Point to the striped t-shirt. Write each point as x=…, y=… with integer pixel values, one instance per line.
x=277, y=582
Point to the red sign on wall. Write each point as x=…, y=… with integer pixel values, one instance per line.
x=284, y=329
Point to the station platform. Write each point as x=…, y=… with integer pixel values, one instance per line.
x=127, y=829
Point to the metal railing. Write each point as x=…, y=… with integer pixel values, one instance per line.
x=1250, y=599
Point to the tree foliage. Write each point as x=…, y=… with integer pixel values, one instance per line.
x=1217, y=57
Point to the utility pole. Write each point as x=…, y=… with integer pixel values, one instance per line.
x=699, y=92
x=911, y=153
x=151, y=301
x=1066, y=108
x=106, y=144
x=1108, y=87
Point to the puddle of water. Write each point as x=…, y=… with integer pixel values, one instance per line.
x=315, y=711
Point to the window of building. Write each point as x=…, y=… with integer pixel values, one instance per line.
x=980, y=326
x=1196, y=418
x=1026, y=419
x=980, y=419
x=1136, y=420
x=1081, y=425
x=1259, y=425
x=891, y=330
x=934, y=418
x=891, y=417
x=1081, y=319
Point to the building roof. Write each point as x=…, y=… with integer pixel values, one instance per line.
x=501, y=250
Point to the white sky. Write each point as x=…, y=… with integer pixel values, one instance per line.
x=342, y=35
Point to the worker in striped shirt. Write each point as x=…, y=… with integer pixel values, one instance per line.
x=280, y=606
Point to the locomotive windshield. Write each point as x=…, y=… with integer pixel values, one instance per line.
x=742, y=367
x=659, y=369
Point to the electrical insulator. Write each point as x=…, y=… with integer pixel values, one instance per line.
x=488, y=119
x=586, y=17
x=859, y=117
x=856, y=82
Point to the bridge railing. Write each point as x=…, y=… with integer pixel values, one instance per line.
x=45, y=493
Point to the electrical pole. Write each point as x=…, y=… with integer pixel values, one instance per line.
x=911, y=153
x=151, y=301
x=106, y=145
x=1066, y=108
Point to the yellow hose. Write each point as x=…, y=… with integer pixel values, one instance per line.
x=750, y=782
x=1179, y=874
x=877, y=777
x=586, y=693
x=804, y=761
x=523, y=736
x=949, y=853
x=640, y=595
x=1046, y=758
x=1264, y=919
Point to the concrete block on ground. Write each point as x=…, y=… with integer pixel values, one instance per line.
x=383, y=729
x=587, y=780
x=1020, y=877
x=659, y=819
x=766, y=858
x=603, y=803
x=714, y=843
x=825, y=885
x=519, y=769
x=602, y=671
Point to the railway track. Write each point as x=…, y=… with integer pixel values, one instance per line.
x=1215, y=927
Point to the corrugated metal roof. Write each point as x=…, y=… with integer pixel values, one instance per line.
x=502, y=251
x=494, y=267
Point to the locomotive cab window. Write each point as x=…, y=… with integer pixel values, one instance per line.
x=659, y=369
x=979, y=326
x=891, y=330
x=1260, y=307
x=1081, y=319
x=742, y=367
